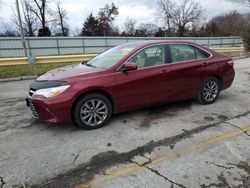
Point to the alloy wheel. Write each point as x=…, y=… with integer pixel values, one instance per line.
x=210, y=91
x=93, y=112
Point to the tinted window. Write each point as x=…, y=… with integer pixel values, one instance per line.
x=185, y=52
x=151, y=56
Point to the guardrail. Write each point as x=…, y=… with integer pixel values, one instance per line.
x=81, y=58
x=47, y=59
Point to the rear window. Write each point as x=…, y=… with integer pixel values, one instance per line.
x=185, y=52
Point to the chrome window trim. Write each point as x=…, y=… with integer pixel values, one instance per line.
x=185, y=43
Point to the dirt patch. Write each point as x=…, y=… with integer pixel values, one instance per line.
x=209, y=118
x=223, y=182
x=170, y=110
x=222, y=117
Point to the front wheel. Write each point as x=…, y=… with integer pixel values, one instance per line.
x=92, y=111
x=209, y=91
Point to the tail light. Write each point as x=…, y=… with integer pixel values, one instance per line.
x=231, y=63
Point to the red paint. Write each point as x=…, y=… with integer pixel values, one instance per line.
x=136, y=88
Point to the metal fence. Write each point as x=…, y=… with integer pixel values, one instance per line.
x=39, y=46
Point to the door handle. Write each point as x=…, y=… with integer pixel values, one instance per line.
x=165, y=71
x=204, y=64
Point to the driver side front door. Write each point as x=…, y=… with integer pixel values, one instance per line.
x=146, y=86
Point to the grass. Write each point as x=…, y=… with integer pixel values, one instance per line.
x=28, y=70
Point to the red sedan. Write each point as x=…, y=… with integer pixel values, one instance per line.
x=129, y=76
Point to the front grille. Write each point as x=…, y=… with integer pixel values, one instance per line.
x=33, y=109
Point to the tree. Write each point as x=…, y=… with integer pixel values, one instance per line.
x=8, y=30
x=129, y=26
x=179, y=15
x=246, y=38
x=242, y=2
x=61, y=18
x=40, y=9
x=91, y=26
x=232, y=23
x=105, y=16
x=165, y=13
x=188, y=11
x=29, y=19
x=148, y=28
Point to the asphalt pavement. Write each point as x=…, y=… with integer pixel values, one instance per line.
x=184, y=144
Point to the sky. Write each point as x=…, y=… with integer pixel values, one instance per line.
x=143, y=11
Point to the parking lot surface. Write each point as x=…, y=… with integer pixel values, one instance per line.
x=184, y=144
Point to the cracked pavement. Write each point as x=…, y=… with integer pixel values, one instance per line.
x=175, y=145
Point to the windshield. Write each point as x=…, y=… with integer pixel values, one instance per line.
x=110, y=57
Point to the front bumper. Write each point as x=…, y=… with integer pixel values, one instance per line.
x=49, y=110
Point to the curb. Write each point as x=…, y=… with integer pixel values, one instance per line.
x=17, y=78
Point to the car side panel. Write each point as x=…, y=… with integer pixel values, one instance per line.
x=142, y=87
x=187, y=77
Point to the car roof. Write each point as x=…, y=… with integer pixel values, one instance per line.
x=152, y=42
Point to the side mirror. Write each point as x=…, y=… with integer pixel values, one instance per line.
x=128, y=66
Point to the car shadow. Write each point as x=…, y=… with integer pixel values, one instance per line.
x=148, y=114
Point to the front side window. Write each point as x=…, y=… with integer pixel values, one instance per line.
x=185, y=52
x=150, y=56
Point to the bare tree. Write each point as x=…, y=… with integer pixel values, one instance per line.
x=106, y=15
x=242, y=2
x=129, y=26
x=8, y=30
x=188, y=11
x=148, y=28
x=179, y=15
x=165, y=10
x=29, y=19
x=61, y=17
x=40, y=9
x=232, y=23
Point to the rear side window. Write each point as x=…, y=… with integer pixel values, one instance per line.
x=185, y=52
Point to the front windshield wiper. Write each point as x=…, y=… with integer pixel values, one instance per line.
x=90, y=65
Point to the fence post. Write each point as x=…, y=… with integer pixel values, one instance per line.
x=83, y=46
x=57, y=44
x=106, y=43
x=221, y=41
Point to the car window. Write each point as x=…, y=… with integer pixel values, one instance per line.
x=151, y=56
x=111, y=56
x=185, y=52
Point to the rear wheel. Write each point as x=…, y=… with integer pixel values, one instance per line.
x=209, y=91
x=92, y=111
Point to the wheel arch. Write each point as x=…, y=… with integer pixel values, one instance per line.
x=218, y=77
x=99, y=91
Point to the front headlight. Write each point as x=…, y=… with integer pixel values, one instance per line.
x=51, y=92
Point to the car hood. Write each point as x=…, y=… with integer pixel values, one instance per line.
x=67, y=72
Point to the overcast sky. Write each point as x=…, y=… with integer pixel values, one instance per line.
x=140, y=10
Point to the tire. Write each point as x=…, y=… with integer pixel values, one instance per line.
x=209, y=91
x=92, y=111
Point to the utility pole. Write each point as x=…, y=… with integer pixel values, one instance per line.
x=21, y=28
x=27, y=52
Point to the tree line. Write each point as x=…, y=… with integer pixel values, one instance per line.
x=182, y=18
